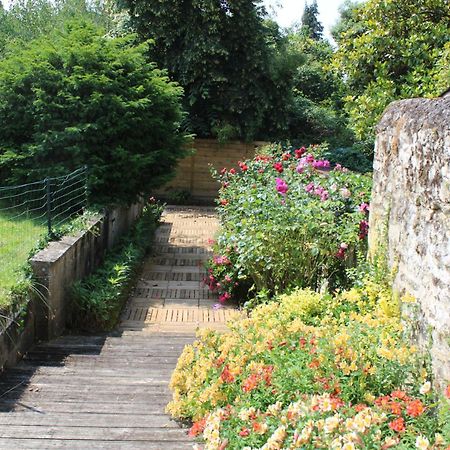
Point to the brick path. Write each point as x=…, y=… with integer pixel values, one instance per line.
x=110, y=391
x=170, y=295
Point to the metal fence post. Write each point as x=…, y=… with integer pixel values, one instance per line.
x=48, y=190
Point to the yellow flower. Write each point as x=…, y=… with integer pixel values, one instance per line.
x=438, y=439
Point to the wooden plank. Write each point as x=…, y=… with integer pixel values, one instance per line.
x=29, y=444
x=82, y=407
x=75, y=419
x=94, y=433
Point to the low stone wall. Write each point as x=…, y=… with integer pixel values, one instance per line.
x=410, y=213
x=193, y=174
x=56, y=268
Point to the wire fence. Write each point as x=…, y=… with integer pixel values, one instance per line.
x=30, y=211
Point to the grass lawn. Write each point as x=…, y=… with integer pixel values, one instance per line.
x=17, y=238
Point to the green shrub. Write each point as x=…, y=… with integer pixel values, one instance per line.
x=310, y=371
x=286, y=222
x=98, y=299
x=353, y=158
x=78, y=97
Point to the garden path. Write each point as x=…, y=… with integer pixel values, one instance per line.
x=110, y=391
x=171, y=296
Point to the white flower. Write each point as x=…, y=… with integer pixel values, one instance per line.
x=425, y=388
x=331, y=423
x=422, y=443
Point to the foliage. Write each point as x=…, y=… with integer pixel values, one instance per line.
x=317, y=95
x=353, y=158
x=98, y=298
x=310, y=21
x=79, y=98
x=312, y=371
x=25, y=20
x=392, y=49
x=217, y=51
x=287, y=220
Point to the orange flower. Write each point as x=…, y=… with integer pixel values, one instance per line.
x=447, y=392
x=197, y=428
x=397, y=425
x=226, y=375
x=250, y=383
x=382, y=401
x=314, y=364
x=396, y=408
x=267, y=375
x=401, y=395
x=360, y=407
x=258, y=427
x=218, y=362
x=415, y=408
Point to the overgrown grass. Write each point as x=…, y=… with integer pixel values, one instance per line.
x=98, y=299
x=17, y=239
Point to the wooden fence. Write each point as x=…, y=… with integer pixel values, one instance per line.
x=193, y=174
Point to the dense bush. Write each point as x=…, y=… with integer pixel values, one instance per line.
x=287, y=220
x=312, y=371
x=98, y=299
x=78, y=97
x=354, y=158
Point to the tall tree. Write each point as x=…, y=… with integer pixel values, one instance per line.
x=310, y=21
x=392, y=49
x=217, y=51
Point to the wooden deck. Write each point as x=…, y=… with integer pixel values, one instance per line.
x=110, y=391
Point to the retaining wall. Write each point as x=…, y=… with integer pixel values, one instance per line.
x=56, y=268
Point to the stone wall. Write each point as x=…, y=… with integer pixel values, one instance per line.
x=410, y=213
x=56, y=268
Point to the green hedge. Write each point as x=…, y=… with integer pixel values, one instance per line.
x=98, y=299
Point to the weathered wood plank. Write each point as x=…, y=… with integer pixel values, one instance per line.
x=94, y=433
x=156, y=407
x=88, y=420
x=29, y=444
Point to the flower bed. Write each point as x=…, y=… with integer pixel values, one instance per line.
x=311, y=371
x=288, y=220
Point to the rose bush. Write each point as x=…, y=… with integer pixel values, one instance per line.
x=288, y=220
x=311, y=371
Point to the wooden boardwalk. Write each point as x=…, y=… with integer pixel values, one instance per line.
x=110, y=391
